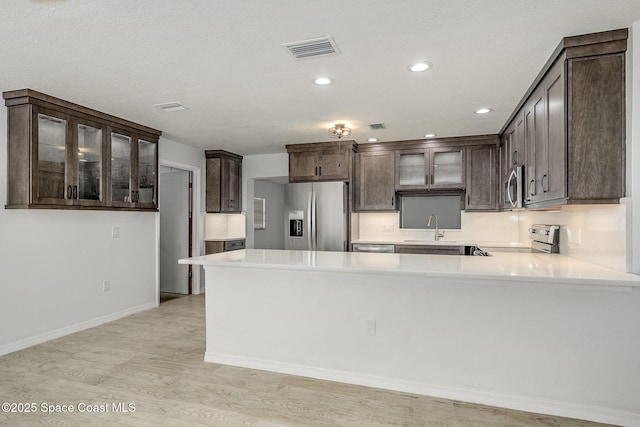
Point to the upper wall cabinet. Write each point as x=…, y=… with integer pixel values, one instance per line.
x=482, y=173
x=574, y=124
x=63, y=155
x=323, y=161
x=434, y=168
x=375, y=181
x=224, y=182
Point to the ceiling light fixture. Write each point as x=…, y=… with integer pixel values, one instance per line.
x=171, y=106
x=322, y=81
x=339, y=130
x=372, y=140
x=430, y=135
x=420, y=66
x=483, y=110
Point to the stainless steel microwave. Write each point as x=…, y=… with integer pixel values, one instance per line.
x=513, y=189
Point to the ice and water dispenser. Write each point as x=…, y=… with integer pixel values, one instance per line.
x=296, y=223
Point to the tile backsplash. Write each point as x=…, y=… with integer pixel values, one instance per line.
x=225, y=226
x=593, y=233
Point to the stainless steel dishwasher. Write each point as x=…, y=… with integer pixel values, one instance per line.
x=374, y=247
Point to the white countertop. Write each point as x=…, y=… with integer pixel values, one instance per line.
x=511, y=266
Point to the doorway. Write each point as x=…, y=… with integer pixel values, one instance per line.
x=176, y=231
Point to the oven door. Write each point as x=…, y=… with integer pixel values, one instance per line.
x=513, y=188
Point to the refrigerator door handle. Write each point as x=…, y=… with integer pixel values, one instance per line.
x=310, y=220
x=314, y=228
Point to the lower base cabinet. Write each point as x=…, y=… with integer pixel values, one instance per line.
x=217, y=246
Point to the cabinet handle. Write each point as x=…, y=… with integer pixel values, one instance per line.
x=392, y=201
x=135, y=197
x=69, y=192
x=468, y=200
x=316, y=174
x=532, y=188
x=75, y=191
x=544, y=188
x=319, y=170
x=515, y=157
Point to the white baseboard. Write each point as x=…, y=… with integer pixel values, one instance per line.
x=67, y=330
x=521, y=403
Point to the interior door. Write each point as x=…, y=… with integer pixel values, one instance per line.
x=174, y=231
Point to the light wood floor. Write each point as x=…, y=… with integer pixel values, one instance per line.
x=154, y=359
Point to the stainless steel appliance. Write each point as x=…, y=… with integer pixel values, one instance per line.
x=374, y=247
x=513, y=188
x=545, y=238
x=316, y=216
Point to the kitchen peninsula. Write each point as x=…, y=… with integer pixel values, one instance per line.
x=543, y=333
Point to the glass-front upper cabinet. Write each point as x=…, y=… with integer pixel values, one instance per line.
x=133, y=171
x=52, y=175
x=430, y=168
x=147, y=174
x=121, y=194
x=64, y=155
x=89, y=168
x=69, y=160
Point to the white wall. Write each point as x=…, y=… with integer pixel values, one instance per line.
x=181, y=156
x=53, y=264
x=256, y=167
x=633, y=142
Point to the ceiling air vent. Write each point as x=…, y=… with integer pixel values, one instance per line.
x=171, y=106
x=322, y=46
x=376, y=126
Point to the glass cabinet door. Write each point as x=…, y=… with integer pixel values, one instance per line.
x=146, y=192
x=51, y=173
x=89, y=165
x=448, y=168
x=120, y=169
x=412, y=167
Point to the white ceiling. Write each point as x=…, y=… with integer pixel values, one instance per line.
x=224, y=60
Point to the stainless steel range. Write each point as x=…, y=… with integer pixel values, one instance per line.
x=545, y=238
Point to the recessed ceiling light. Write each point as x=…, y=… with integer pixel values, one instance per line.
x=420, y=66
x=430, y=135
x=323, y=81
x=483, y=110
x=372, y=139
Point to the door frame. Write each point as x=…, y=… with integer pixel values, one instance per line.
x=197, y=219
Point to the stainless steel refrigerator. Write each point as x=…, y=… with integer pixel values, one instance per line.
x=316, y=216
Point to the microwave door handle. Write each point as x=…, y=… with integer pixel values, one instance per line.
x=511, y=177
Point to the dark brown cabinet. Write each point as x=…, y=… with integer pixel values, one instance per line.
x=574, y=124
x=375, y=190
x=482, y=173
x=224, y=182
x=439, y=249
x=324, y=161
x=63, y=155
x=436, y=168
x=217, y=246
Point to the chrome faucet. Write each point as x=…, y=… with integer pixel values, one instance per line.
x=437, y=234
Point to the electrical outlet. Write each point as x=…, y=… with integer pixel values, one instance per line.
x=371, y=327
x=387, y=227
x=106, y=285
x=115, y=232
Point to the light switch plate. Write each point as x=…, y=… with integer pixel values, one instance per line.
x=115, y=232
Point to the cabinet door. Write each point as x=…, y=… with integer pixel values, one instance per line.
x=375, y=191
x=121, y=154
x=333, y=165
x=303, y=166
x=518, y=145
x=146, y=193
x=230, y=185
x=53, y=158
x=481, y=178
x=89, y=171
x=447, y=168
x=554, y=183
x=412, y=169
